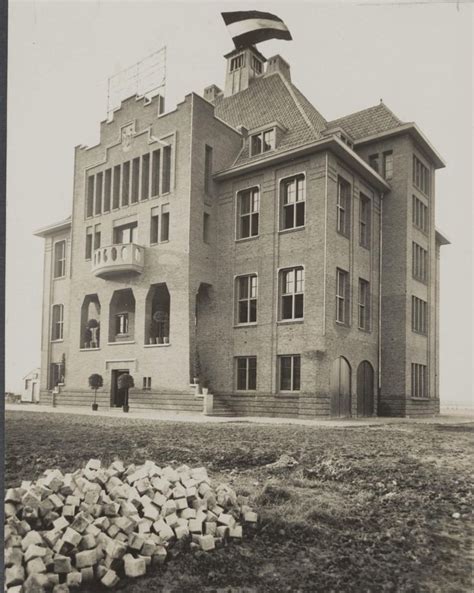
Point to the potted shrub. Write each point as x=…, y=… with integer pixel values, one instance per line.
x=205, y=387
x=166, y=340
x=125, y=381
x=93, y=327
x=95, y=383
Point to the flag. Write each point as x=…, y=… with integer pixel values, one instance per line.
x=247, y=27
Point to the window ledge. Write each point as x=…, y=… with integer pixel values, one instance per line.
x=290, y=321
x=244, y=239
x=120, y=342
x=345, y=235
x=292, y=230
x=364, y=330
x=418, y=333
x=250, y=324
x=60, y=277
x=88, y=349
x=288, y=393
x=156, y=345
x=57, y=341
x=342, y=324
x=421, y=399
x=246, y=391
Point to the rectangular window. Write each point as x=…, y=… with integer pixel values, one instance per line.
x=145, y=177
x=126, y=233
x=125, y=183
x=256, y=65
x=97, y=236
x=107, y=189
x=146, y=383
x=57, y=322
x=206, y=220
x=419, y=385
x=247, y=293
x=237, y=62
x=121, y=323
x=90, y=196
x=165, y=223
x=98, y=192
x=166, y=183
x=154, y=226
x=262, y=142
x=421, y=176
x=135, y=179
x=365, y=219
x=116, y=188
x=248, y=206
x=293, y=200
x=208, y=169
x=419, y=214
x=59, y=259
x=374, y=162
x=364, y=305
x=155, y=173
x=290, y=372
x=292, y=293
x=388, y=164
x=247, y=373
x=89, y=237
x=419, y=315
x=419, y=262
x=343, y=207
x=342, y=296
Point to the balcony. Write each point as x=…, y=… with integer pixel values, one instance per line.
x=112, y=260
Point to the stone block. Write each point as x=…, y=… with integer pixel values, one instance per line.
x=188, y=513
x=36, y=583
x=222, y=531
x=74, y=579
x=61, y=523
x=235, y=532
x=116, y=550
x=10, y=510
x=151, y=512
x=110, y=579
x=80, y=522
x=14, y=575
x=134, y=567
x=35, y=566
x=181, y=504
x=161, y=484
x=87, y=574
x=195, y=526
x=210, y=528
x=72, y=537
x=181, y=531
x=86, y=558
x=207, y=542
x=159, y=555
x=61, y=588
x=88, y=542
x=32, y=537
x=148, y=548
x=62, y=564
x=250, y=517
x=35, y=551
x=13, y=556
x=171, y=520
x=69, y=511
x=226, y=519
x=13, y=495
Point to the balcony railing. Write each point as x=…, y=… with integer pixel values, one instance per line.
x=127, y=258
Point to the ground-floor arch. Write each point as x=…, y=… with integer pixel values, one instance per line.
x=340, y=387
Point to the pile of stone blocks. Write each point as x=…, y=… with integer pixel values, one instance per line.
x=99, y=524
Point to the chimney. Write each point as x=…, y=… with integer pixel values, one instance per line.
x=278, y=64
x=211, y=93
x=243, y=66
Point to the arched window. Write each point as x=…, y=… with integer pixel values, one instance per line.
x=90, y=322
x=122, y=316
x=340, y=387
x=365, y=389
x=157, y=317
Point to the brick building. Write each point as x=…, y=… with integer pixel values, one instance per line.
x=289, y=261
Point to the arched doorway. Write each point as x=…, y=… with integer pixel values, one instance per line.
x=365, y=389
x=340, y=387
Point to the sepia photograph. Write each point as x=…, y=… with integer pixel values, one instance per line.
x=239, y=297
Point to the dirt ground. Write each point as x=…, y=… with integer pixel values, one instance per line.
x=366, y=509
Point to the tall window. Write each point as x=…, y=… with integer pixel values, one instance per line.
x=419, y=315
x=155, y=173
x=207, y=168
x=342, y=296
x=206, y=228
x=262, y=142
x=165, y=223
x=237, y=62
x=98, y=192
x=89, y=237
x=97, y=236
x=290, y=372
x=125, y=183
x=419, y=214
x=121, y=323
x=126, y=233
x=421, y=176
x=292, y=199
x=160, y=234
x=166, y=182
x=57, y=322
x=135, y=179
x=116, y=187
x=248, y=206
x=90, y=196
x=59, y=259
x=145, y=190
x=246, y=373
x=419, y=262
x=364, y=304
x=388, y=164
x=365, y=217
x=247, y=290
x=419, y=385
x=107, y=189
x=374, y=162
x=343, y=207
x=292, y=293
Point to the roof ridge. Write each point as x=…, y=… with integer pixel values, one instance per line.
x=367, y=109
x=289, y=86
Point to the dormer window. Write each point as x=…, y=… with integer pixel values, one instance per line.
x=262, y=142
x=257, y=65
x=237, y=62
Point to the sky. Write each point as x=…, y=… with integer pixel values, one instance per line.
x=417, y=57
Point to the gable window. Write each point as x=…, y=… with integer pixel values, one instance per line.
x=419, y=310
x=388, y=164
x=247, y=289
x=107, y=189
x=256, y=65
x=248, y=206
x=291, y=293
x=365, y=211
x=342, y=296
x=125, y=183
x=166, y=181
x=364, y=304
x=262, y=142
x=419, y=386
x=89, y=237
x=419, y=214
x=246, y=373
x=59, y=259
x=57, y=322
x=374, y=162
x=145, y=187
x=421, y=176
x=237, y=62
x=290, y=372
x=155, y=173
x=135, y=179
x=98, y=192
x=343, y=207
x=126, y=233
x=90, y=196
x=293, y=200
x=121, y=324
x=207, y=168
x=419, y=262
x=116, y=187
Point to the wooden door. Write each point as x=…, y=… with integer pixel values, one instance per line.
x=365, y=389
x=117, y=396
x=340, y=387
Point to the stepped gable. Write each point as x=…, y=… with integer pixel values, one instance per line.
x=367, y=122
x=267, y=100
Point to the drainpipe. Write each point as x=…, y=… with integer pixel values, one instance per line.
x=379, y=336
x=325, y=244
